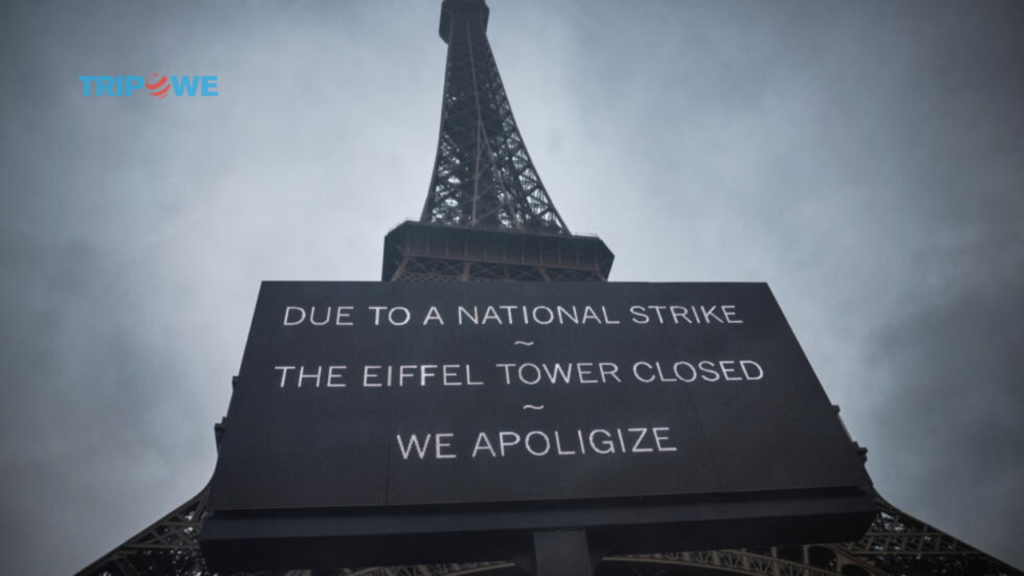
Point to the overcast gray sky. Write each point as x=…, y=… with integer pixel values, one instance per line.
x=864, y=158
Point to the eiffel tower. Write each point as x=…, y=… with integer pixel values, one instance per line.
x=489, y=218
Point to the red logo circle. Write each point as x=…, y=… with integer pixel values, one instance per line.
x=157, y=85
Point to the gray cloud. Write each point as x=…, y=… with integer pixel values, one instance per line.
x=863, y=158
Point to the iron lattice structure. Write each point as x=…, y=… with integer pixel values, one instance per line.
x=488, y=217
x=483, y=175
x=895, y=545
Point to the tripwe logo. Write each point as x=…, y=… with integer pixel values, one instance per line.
x=157, y=85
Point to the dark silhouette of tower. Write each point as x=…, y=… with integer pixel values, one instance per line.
x=488, y=217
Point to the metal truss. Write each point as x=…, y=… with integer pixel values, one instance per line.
x=483, y=176
x=896, y=545
x=169, y=546
x=431, y=253
x=436, y=270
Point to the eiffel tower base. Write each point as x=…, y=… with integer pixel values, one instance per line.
x=896, y=544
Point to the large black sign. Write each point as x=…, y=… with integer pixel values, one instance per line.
x=371, y=396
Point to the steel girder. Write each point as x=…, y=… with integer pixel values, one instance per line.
x=433, y=253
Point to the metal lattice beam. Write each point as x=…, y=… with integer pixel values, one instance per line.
x=896, y=545
x=483, y=175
